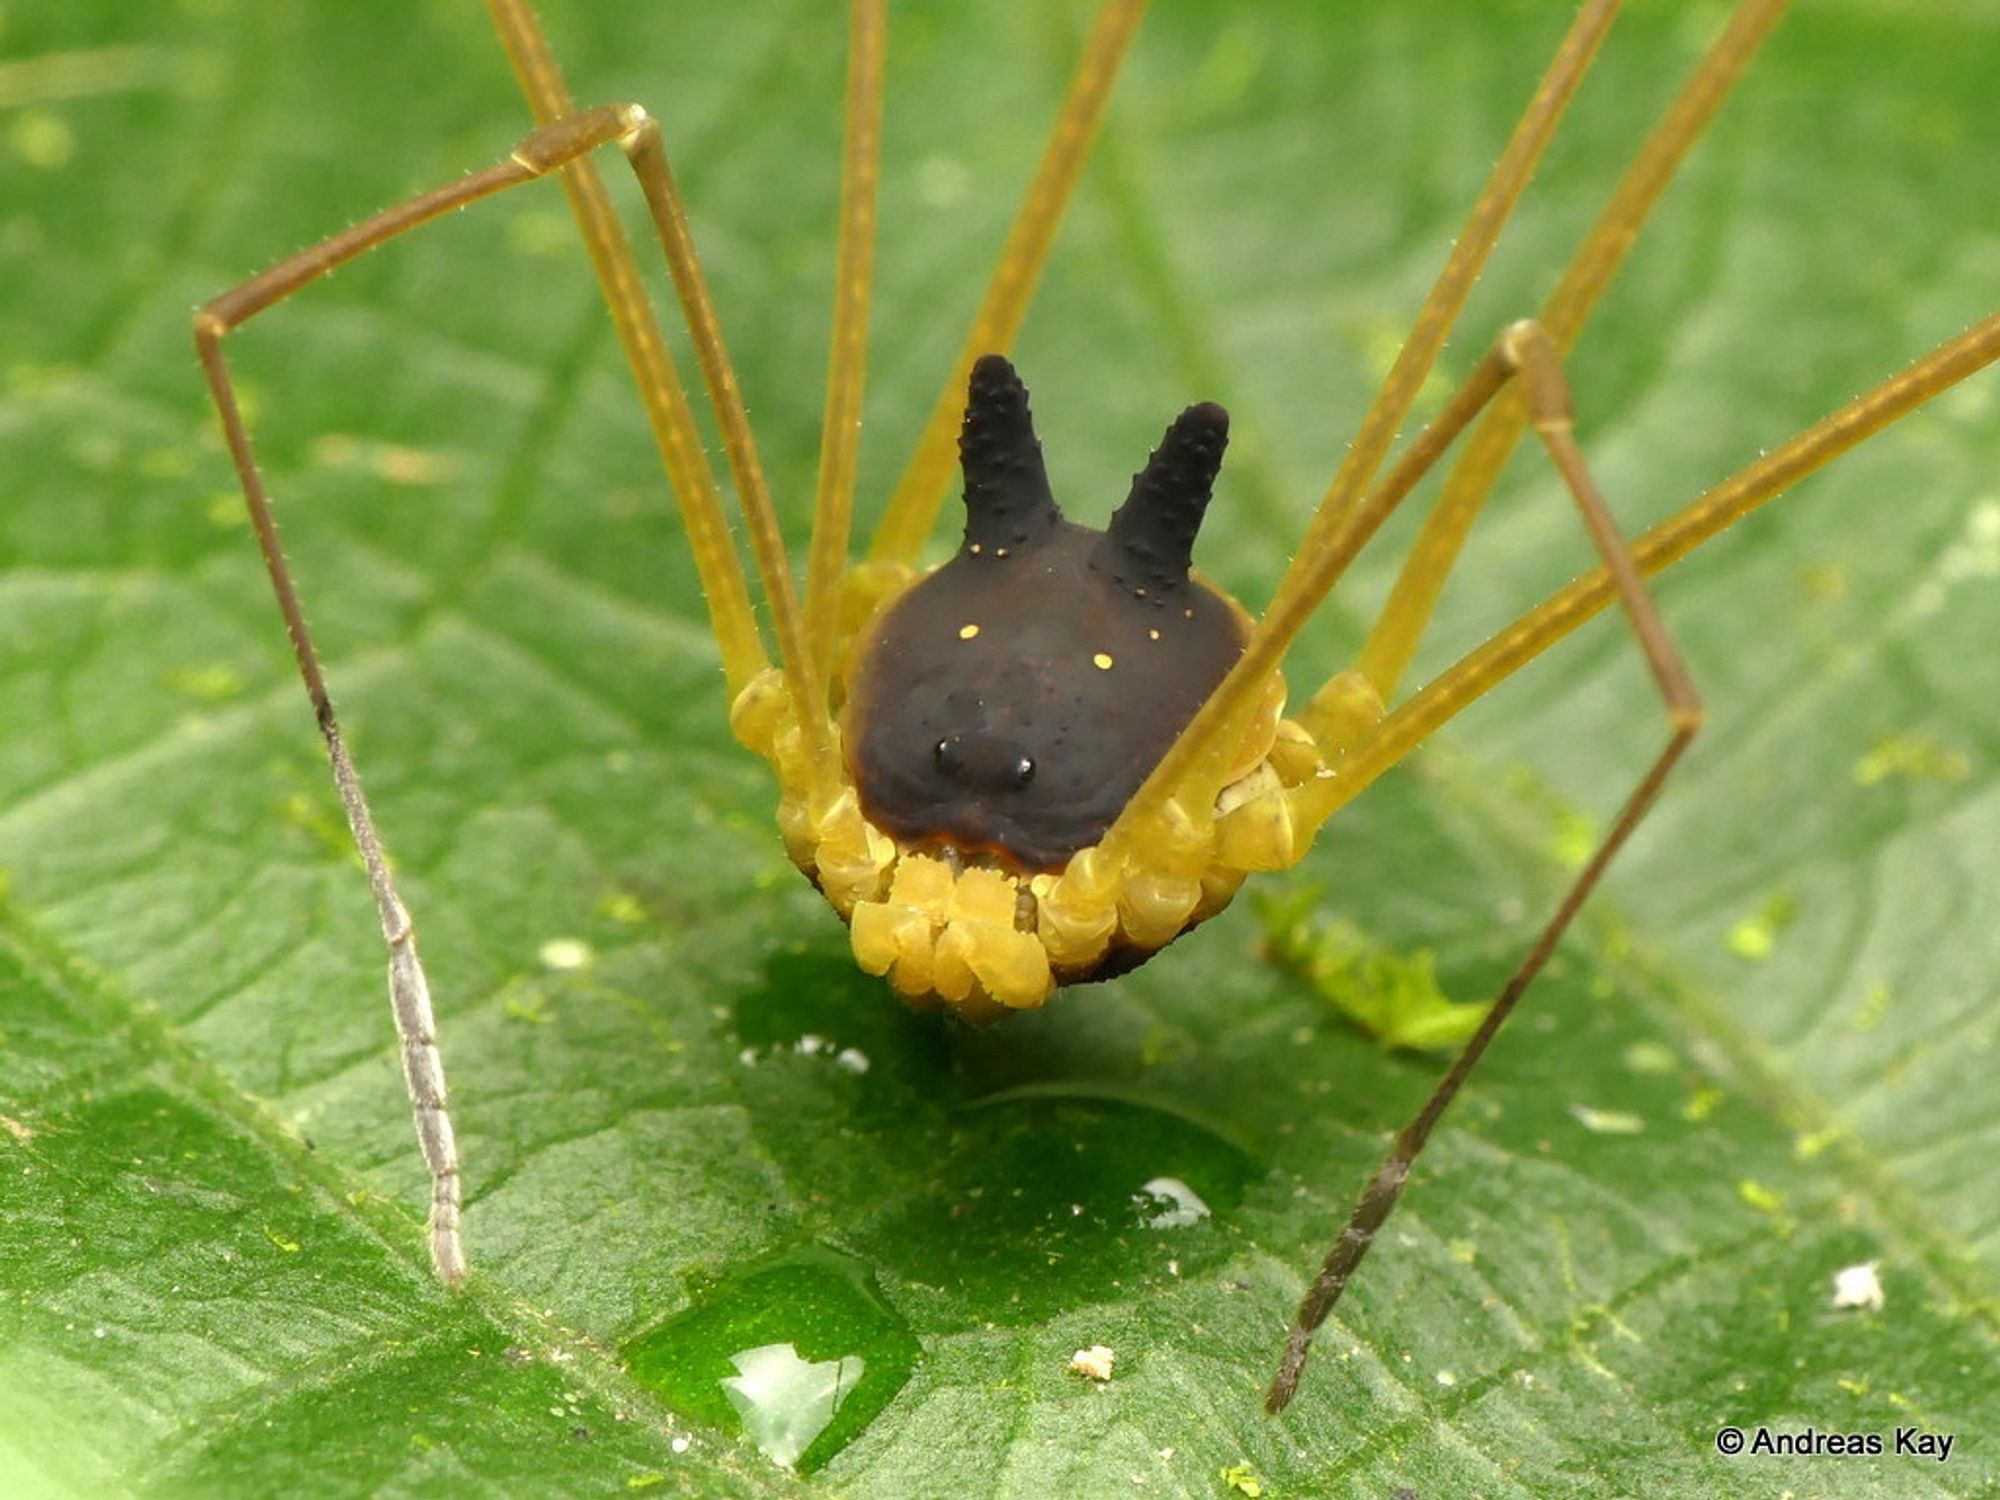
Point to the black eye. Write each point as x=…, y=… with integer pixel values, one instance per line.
x=1024, y=771
x=944, y=754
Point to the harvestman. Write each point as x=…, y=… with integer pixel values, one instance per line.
x=1001, y=796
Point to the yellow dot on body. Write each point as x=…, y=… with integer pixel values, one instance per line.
x=967, y=632
x=1152, y=635
x=1103, y=660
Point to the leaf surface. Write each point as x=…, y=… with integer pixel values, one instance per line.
x=1626, y=1235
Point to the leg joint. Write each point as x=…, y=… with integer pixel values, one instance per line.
x=561, y=142
x=636, y=121
x=1537, y=363
x=1524, y=341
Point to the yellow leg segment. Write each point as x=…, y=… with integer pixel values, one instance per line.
x=667, y=411
x=913, y=506
x=1182, y=788
x=1392, y=641
x=847, y=357
x=1512, y=648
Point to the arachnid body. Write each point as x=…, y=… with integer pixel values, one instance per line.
x=981, y=858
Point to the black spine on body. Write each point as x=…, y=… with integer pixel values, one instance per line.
x=1150, y=541
x=1008, y=503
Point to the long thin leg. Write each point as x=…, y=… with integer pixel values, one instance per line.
x=645, y=147
x=1392, y=640
x=1485, y=668
x=1535, y=360
x=913, y=505
x=409, y=992
x=660, y=389
x=1513, y=647
x=1193, y=767
x=847, y=360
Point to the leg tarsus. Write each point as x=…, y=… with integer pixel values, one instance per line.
x=546, y=149
x=1385, y=1189
x=1532, y=358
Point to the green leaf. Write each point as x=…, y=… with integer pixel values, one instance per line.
x=213, y=1269
x=1394, y=997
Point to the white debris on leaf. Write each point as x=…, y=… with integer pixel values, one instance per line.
x=1858, y=1287
x=848, y=1059
x=787, y=1401
x=563, y=954
x=1093, y=1363
x=1606, y=1121
x=1169, y=1203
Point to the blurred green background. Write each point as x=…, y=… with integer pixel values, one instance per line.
x=1767, y=1053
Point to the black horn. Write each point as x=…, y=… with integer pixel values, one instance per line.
x=1151, y=536
x=1007, y=499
